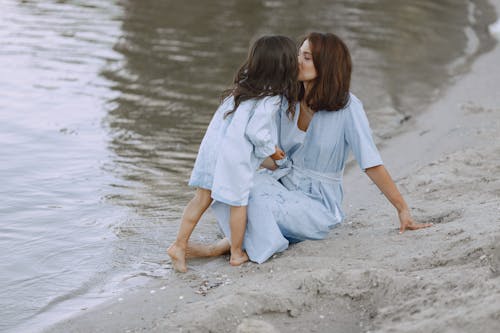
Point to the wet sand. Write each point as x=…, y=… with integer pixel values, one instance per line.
x=364, y=276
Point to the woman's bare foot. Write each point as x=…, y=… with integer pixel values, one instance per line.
x=178, y=257
x=197, y=250
x=238, y=258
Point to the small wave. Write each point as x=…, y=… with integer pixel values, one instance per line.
x=494, y=29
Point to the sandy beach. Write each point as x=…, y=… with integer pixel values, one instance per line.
x=365, y=277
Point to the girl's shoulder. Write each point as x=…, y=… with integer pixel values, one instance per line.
x=274, y=102
x=227, y=102
x=253, y=104
x=226, y=105
x=270, y=99
x=276, y=99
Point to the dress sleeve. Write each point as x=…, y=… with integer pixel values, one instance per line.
x=261, y=125
x=359, y=136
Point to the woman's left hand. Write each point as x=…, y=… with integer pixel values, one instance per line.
x=379, y=175
x=407, y=222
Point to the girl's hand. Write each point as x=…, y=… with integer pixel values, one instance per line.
x=269, y=164
x=407, y=223
x=278, y=155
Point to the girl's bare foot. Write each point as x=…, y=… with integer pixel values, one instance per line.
x=178, y=257
x=238, y=258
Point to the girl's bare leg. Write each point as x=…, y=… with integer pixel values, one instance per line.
x=192, y=214
x=238, y=223
x=197, y=250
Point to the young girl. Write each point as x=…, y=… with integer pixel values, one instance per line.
x=241, y=135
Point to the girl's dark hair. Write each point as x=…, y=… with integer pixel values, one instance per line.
x=332, y=60
x=270, y=69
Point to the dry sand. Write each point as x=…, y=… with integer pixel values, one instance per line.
x=365, y=276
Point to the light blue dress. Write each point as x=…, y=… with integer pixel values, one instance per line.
x=305, y=203
x=234, y=147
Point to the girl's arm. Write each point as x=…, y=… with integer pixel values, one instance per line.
x=260, y=126
x=381, y=178
x=269, y=164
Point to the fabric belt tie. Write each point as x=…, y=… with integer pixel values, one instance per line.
x=327, y=177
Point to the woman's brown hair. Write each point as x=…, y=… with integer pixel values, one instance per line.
x=332, y=61
x=270, y=69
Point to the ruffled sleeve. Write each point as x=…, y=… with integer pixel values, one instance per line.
x=260, y=127
x=358, y=136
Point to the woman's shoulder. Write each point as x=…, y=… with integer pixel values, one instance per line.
x=354, y=106
x=354, y=103
x=350, y=113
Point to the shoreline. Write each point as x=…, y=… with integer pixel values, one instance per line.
x=443, y=278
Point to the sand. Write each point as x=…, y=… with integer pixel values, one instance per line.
x=365, y=277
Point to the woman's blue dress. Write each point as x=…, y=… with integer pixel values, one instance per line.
x=305, y=203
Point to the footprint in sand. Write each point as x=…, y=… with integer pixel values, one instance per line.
x=444, y=217
x=473, y=108
x=495, y=257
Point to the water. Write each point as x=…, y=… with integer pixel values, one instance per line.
x=103, y=105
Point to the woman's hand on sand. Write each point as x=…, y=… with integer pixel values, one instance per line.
x=407, y=222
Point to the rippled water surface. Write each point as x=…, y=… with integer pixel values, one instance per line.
x=103, y=105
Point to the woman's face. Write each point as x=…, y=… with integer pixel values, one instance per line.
x=307, y=72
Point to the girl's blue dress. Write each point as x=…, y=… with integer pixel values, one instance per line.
x=234, y=147
x=305, y=203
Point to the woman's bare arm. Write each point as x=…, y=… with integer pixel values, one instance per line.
x=384, y=182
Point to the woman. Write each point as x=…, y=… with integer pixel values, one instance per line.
x=328, y=122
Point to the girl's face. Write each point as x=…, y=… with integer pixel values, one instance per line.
x=307, y=71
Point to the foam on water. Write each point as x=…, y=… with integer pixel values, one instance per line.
x=494, y=29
